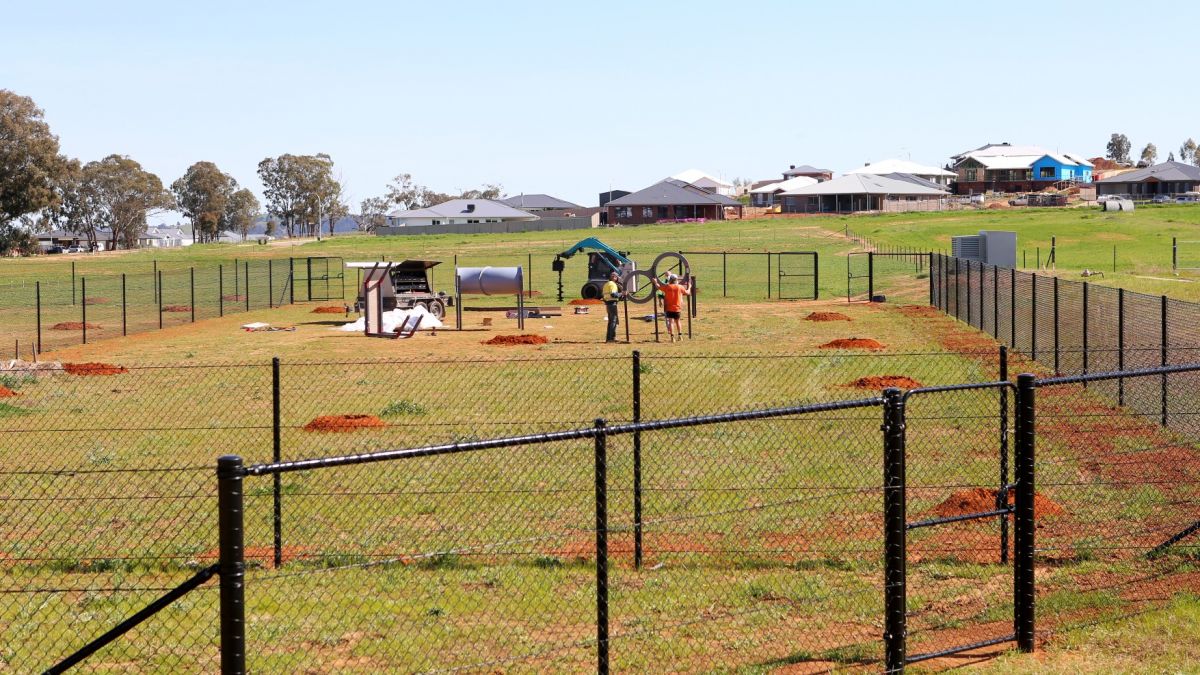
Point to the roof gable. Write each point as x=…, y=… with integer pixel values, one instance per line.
x=672, y=191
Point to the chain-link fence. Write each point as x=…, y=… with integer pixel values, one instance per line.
x=742, y=521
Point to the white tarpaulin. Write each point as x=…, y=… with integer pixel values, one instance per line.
x=395, y=319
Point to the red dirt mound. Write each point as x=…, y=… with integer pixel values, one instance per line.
x=919, y=311
x=586, y=301
x=517, y=340
x=344, y=423
x=329, y=309
x=826, y=316
x=5, y=392
x=93, y=369
x=852, y=343
x=74, y=325
x=229, y=298
x=177, y=308
x=885, y=381
x=978, y=500
x=97, y=301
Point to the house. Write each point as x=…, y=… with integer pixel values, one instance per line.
x=1168, y=178
x=538, y=202
x=67, y=239
x=862, y=192
x=808, y=172
x=903, y=166
x=459, y=212
x=765, y=195
x=165, y=237
x=669, y=200
x=1002, y=167
x=606, y=197
x=706, y=181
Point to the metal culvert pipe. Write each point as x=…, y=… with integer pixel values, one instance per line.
x=490, y=281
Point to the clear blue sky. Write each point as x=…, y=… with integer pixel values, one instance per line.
x=569, y=98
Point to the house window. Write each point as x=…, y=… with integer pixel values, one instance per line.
x=647, y=212
x=1046, y=172
x=435, y=222
x=472, y=221
x=662, y=213
x=971, y=175
x=624, y=211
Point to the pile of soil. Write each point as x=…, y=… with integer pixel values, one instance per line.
x=5, y=392
x=530, y=294
x=344, y=423
x=233, y=298
x=998, y=205
x=852, y=343
x=93, y=369
x=826, y=316
x=978, y=500
x=586, y=301
x=97, y=301
x=885, y=381
x=177, y=308
x=517, y=340
x=329, y=309
x=920, y=311
x=74, y=325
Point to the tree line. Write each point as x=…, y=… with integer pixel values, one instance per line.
x=1119, y=147
x=42, y=189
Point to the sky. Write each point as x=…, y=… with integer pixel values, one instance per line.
x=574, y=98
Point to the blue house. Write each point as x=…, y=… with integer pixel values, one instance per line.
x=1062, y=167
x=1003, y=167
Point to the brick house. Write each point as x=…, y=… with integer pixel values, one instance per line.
x=669, y=200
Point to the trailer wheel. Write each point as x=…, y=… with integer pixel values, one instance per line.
x=590, y=291
x=437, y=309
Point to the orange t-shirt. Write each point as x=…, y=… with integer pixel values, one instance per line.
x=673, y=297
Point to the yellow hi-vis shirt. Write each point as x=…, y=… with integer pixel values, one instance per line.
x=611, y=291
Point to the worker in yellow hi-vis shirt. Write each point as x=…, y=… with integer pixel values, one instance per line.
x=611, y=294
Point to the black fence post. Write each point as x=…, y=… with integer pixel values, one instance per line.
x=1174, y=255
x=1085, y=330
x=220, y=290
x=82, y=305
x=768, y=275
x=1023, y=536
x=816, y=275
x=1033, y=316
x=124, y=321
x=1012, y=307
x=37, y=306
x=158, y=287
x=601, y=471
x=1002, y=494
x=1121, y=345
x=271, y=284
x=870, y=276
x=724, y=274
x=308, y=274
x=72, y=282
x=1163, y=358
x=996, y=302
x=157, y=280
x=292, y=281
x=277, y=456
x=247, y=296
x=957, y=315
x=968, y=322
x=625, y=306
x=231, y=535
x=637, y=460
x=657, y=317
x=192, y=291
x=1056, y=356
x=894, y=533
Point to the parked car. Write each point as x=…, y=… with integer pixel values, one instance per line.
x=74, y=249
x=54, y=249
x=1188, y=198
x=1108, y=198
x=1161, y=199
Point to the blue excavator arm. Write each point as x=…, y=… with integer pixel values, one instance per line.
x=592, y=243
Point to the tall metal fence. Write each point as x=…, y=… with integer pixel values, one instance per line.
x=53, y=313
x=741, y=525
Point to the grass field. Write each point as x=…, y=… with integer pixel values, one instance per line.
x=762, y=539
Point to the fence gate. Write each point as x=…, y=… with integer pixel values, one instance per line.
x=949, y=496
x=858, y=275
x=321, y=278
x=798, y=278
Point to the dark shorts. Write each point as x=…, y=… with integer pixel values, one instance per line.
x=671, y=315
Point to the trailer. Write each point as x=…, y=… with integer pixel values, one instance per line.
x=410, y=286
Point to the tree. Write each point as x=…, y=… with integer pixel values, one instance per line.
x=488, y=191
x=203, y=193
x=1187, y=151
x=272, y=227
x=240, y=212
x=280, y=179
x=1118, y=148
x=1170, y=157
x=1150, y=153
x=301, y=190
x=373, y=213
x=405, y=195
x=115, y=193
x=16, y=240
x=30, y=167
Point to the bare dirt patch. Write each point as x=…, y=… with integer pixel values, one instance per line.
x=853, y=343
x=343, y=423
x=97, y=301
x=517, y=340
x=530, y=294
x=586, y=301
x=885, y=381
x=233, y=298
x=265, y=555
x=5, y=392
x=74, y=325
x=920, y=311
x=826, y=316
x=978, y=500
x=93, y=368
x=177, y=308
x=329, y=309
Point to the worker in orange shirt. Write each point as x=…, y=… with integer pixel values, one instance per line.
x=673, y=293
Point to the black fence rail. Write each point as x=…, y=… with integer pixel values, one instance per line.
x=638, y=543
